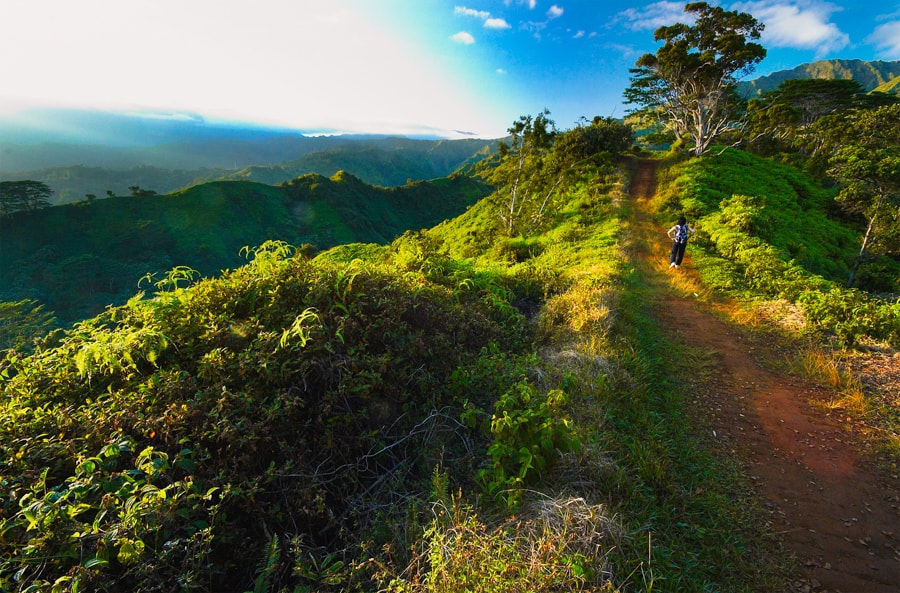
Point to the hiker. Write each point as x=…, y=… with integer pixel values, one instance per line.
x=679, y=235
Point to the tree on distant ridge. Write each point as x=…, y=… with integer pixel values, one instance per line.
x=28, y=196
x=690, y=83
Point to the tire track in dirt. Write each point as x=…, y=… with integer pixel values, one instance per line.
x=831, y=508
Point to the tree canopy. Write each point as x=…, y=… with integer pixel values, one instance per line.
x=783, y=119
x=867, y=163
x=18, y=196
x=689, y=84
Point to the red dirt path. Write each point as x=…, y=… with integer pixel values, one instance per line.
x=832, y=508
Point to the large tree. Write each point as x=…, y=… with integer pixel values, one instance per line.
x=690, y=82
x=16, y=196
x=866, y=162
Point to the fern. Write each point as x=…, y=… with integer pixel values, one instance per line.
x=267, y=566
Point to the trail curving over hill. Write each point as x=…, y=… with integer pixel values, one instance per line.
x=836, y=512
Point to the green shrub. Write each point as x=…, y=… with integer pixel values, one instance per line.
x=850, y=315
x=529, y=430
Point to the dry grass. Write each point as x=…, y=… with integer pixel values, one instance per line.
x=823, y=368
x=555, y=544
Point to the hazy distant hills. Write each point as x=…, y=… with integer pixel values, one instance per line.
x=876, y=75
x=379, y=161
x=77, y=258
x=93, y=152
x=388, y=162
x=79, y=152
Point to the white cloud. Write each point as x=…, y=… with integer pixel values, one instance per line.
x=653, y=16
x=554, y=12
x=501, y=71
x=463, y=11
x=886, y=38
x=798, y=24
x=529, y=3
x=578, y=35
x=464, y=38
x=496, y=23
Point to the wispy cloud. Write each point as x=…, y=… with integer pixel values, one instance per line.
x=578, y=35
x=463, y=37
x=529, y=3
x=886, y=38
x=554, y=12
x=799, y=24
x=652, y=16
x=501, y=71
x=496, y=23
x=489, y=21
x=464, y=11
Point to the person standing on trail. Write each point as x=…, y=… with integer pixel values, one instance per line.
x=679, y=235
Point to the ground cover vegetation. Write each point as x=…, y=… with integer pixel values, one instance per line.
x=459, y=409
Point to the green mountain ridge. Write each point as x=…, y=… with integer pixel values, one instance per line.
x=870, y=74
x=388, y=164
x=78, y=258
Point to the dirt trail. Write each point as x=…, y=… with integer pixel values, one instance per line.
x=835, y=511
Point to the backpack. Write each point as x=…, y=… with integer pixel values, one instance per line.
x=681, y=233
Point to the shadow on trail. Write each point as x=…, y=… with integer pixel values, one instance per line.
x=831, y=509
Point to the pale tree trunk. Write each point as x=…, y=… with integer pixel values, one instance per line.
x=865, y=244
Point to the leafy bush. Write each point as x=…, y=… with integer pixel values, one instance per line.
x=850, y=315
x=528, y=429
x=288, y=397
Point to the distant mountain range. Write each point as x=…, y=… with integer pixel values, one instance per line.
x=877, y=75
x=80, y=152
x=101, y=170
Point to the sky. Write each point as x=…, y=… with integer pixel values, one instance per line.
x=451, y=68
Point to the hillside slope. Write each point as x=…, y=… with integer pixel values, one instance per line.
x=78, y=258
x=454, y=407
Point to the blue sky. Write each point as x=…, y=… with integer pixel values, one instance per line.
x=465, y=67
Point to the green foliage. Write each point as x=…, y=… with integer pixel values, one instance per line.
x=783, y=119
x=533, y=171
x=22, y=322
x=23, y=196
x=309, y=391
x=777, y=237
x=850, y=314
x=867, y=163
x=529, y=430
